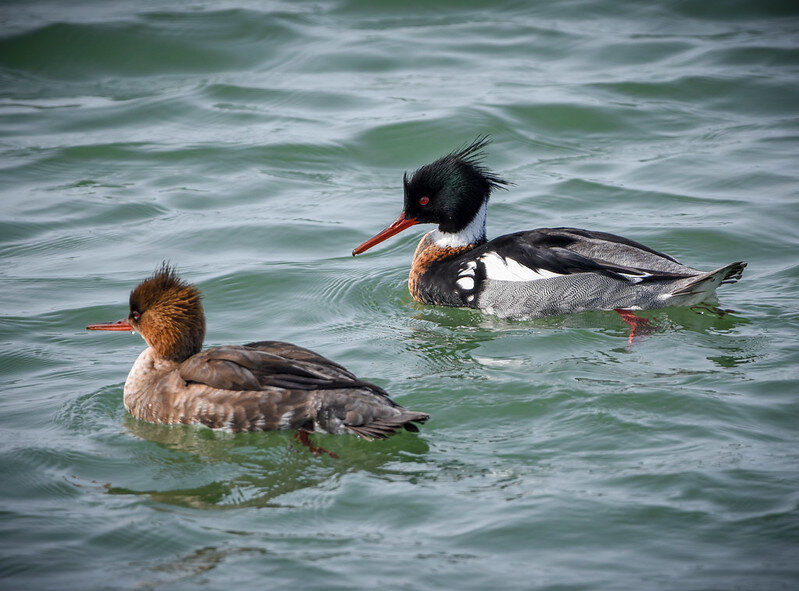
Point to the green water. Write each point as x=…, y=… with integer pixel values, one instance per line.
x=254, y=145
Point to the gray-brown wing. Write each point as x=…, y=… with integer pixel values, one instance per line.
x=250, y=368
x=299, y=390
x=338, y=411
x=292, y=351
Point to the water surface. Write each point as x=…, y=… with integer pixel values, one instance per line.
x=254, y=145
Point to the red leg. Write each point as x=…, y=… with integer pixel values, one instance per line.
x=637, y=324
x=304, y=437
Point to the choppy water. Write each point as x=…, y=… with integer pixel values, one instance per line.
x=254, y=145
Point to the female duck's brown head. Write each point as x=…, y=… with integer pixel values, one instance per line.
x=167, y=312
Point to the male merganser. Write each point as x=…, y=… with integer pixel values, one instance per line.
x=268, y=385
x=534, y=273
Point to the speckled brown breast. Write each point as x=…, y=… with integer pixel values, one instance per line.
x=426, y=255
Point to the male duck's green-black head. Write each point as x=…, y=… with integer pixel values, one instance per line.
x=450, y=192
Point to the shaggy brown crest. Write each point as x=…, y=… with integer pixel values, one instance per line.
x=168, y=313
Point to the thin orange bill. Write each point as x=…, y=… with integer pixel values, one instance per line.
x=118, y=325
x=400, y=224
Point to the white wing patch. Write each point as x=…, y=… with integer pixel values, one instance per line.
x=466, y=276
x=502, y=268
x=466, y=283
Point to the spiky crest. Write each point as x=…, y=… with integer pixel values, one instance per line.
x=168, y=313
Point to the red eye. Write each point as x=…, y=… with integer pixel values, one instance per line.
x=424, y=200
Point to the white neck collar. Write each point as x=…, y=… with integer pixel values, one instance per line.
x=473, y=233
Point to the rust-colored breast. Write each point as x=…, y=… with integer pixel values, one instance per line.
x=424, y=258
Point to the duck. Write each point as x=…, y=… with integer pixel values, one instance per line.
x=259, y=386
x=532, y=273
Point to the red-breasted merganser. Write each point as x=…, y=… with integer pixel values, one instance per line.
x=268, y=385
x=534, y=273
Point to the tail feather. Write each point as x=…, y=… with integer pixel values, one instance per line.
x=734, y=272
x=386, y=427
x=707, y=282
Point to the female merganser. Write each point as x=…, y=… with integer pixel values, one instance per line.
x=261, y=386
x=529, y=274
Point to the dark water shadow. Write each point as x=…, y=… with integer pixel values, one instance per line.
x=444, y=338
x=258, y=468
x=702, y=319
